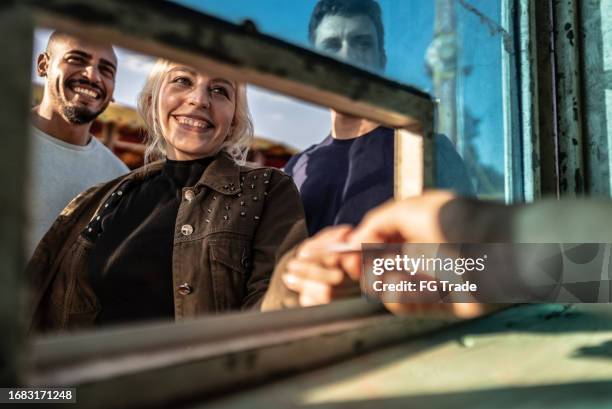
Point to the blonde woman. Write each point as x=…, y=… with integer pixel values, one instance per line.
x=196, y=232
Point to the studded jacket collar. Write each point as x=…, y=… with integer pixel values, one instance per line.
x=231, y=229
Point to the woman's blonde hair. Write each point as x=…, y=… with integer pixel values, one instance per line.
x=237, y=143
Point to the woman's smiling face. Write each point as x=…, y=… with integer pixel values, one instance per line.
x=195, y=112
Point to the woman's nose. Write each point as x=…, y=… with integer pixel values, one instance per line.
x=199, y=97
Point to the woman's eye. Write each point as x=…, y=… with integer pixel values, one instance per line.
x=220, y=91
x=182, y=81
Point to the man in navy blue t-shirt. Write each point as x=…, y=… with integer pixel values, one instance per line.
x=340, y=180
x=351, y=170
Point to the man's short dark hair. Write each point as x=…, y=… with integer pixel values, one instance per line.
x=348, y=8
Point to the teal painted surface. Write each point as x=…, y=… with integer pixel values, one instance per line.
x=596, y=49
x=513, y=166
x=529, y=101
x=570, y=110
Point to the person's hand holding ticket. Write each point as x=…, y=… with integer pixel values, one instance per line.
x=328, y=265
x=315, y=272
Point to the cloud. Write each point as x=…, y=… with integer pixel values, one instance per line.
x=135, y=63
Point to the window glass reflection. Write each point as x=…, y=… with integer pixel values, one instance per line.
x=449, y=48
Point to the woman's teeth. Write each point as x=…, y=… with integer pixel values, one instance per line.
x=193, y=122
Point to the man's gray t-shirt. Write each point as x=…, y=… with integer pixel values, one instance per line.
x=59, y=171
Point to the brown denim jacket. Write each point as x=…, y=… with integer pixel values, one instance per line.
x=231, y=229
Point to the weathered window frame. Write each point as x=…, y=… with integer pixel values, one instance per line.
x=560, y=112
x=118, y=365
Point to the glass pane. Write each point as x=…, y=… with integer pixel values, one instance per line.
x=449, y=48
x=479, y=107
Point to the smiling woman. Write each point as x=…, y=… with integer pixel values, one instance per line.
x=194, y=233
x=189, y=115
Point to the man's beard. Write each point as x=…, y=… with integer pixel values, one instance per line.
x=79, y=115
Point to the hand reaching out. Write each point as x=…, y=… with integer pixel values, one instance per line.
x=315, y=272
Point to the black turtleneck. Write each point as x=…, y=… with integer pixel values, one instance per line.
x=130, y=265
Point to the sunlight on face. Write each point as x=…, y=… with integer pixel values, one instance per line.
x=196, y=113
x=80, y=77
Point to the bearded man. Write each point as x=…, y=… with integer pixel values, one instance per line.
x=65, y=159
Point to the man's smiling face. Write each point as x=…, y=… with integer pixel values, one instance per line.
x=80, y=77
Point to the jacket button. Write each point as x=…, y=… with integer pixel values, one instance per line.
x=245, y=262
x=185, y=289
x=189, y=195
x=186, y=229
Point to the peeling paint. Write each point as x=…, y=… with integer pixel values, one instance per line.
x=595, y=44
x=568, y=97
x=578, y=181
x=569, y=33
